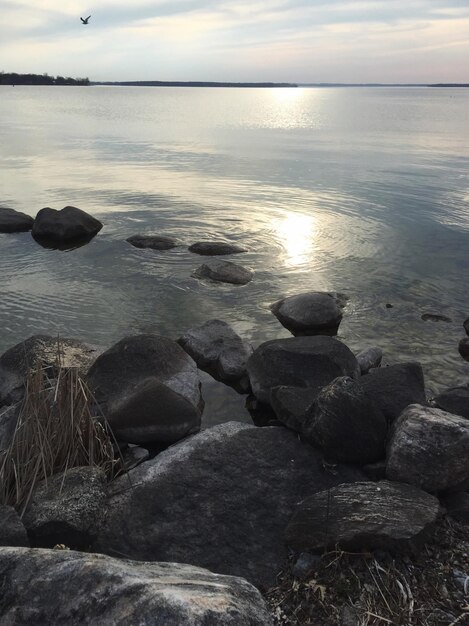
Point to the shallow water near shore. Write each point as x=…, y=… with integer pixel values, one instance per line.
x=363, y=191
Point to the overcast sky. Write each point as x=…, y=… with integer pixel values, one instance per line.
x=239, y=40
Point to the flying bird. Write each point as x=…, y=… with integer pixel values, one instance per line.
x=85, y=21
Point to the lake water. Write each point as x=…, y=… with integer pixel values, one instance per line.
x=364, y=191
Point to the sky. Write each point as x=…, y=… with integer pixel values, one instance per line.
x=410, y=41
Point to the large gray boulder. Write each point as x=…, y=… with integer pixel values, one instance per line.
x=39, y=349
x=12, y=221
x=299, y=362
x=67, y=224
x=220, y=500
x=57, y=587
x=347, y=425
x=216, y=347
x=12, y=530
x=155, y=242
x=365, y=515
x=68, y=509
x=224, y=272
x=148, y=388
x=310, y=313
x=212, y=248
x=395, y=387
x=454, y=400
x=429, y=448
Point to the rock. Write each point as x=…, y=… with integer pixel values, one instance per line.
x=429, y=448
x=148, y=388
x=12, y=221
x=74, y=588
x=347, y=424
x=305, y=565
x=299, y=362
x=457, y=506
x=364, y=515
x=224, y=272
x=216, y=347
x=133, y=456
x=220, y=500
x=466, y=326
x=68, y=224
x=464, y=348
x=435, y=317
x=18, y=360
x=12, y=531
x=210, y=248
x=395, y=387
x=310, y=313
x=294, y=406
x=389, y=305
x=369, y=358
x=155, y=242
x=68, y=509
x=454, y=400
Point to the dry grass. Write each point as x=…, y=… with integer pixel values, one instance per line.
x=56, y=430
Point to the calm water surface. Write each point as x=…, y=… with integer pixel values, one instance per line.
x=364, y=191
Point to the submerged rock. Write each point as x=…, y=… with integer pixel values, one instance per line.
x=211, y=248
x=65, y=225
x=435, y=317
x=74, y=588
x=369, y=358
x=12, y=221
x=155, y=242
x=310, y=313
x=12, y=530
x=224, y=272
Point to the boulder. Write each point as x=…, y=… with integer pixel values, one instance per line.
x=347, y=425
x=65, y=225
x=454, y=400
x=211, y=248
x=18, y=360
x=364, y=516
x=216, y=348
x=429, y=448
x=12, y=221
x=57, y=587
x=148, y=388
x=294, y=407
x=310, y=313
x=395, y=387
x=220, y=500
x=155, y=242
x=299, y=362
x=463, y=348
x=12, y=530
x=369, y=358
x=224, y=272
x=68, y=509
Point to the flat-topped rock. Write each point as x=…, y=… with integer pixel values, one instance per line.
x=313, y=312
x=74, y=588
x=224, y=272
x=155, y=242
x=12, y=221
x=68, y=224
x=213, y=248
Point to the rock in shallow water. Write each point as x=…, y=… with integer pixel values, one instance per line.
x=224, y=272
x=12, y=221
x=65, y=225
x=211, y=248
x=310, y=313
x=60, y=588
x=155, y=242
x=369, y=358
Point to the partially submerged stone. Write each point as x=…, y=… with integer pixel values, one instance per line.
x=310, y=313
x=155, y=242
x=363, y=516
x=12, y=530
x=12, y=221
x=224, y=272
x=211, y=248
x=68, y=224
x=57, y=587
x=436, y=317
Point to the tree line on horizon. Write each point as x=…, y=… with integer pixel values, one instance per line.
x=12, y=78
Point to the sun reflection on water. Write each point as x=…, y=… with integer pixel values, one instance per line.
x=296, y=233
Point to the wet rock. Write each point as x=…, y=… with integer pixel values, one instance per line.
x=364, y=515
x=454, y=400
x=395, y=387
x=369, y=358
x=155, y=242
x=347, y=425
x=309, y=313
x=12, y=221
x=65, y=225
x=74, y=588
x=299, y=362
x=212, y=248
x=294, y=407
x=68, y=509
x=12, y=530
x=216, y=347
x=224, y=272
x=220, y=500
x=21, y=358
x=429, y=448
x=435, y=317
x=457, y=506
x=463, y=348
